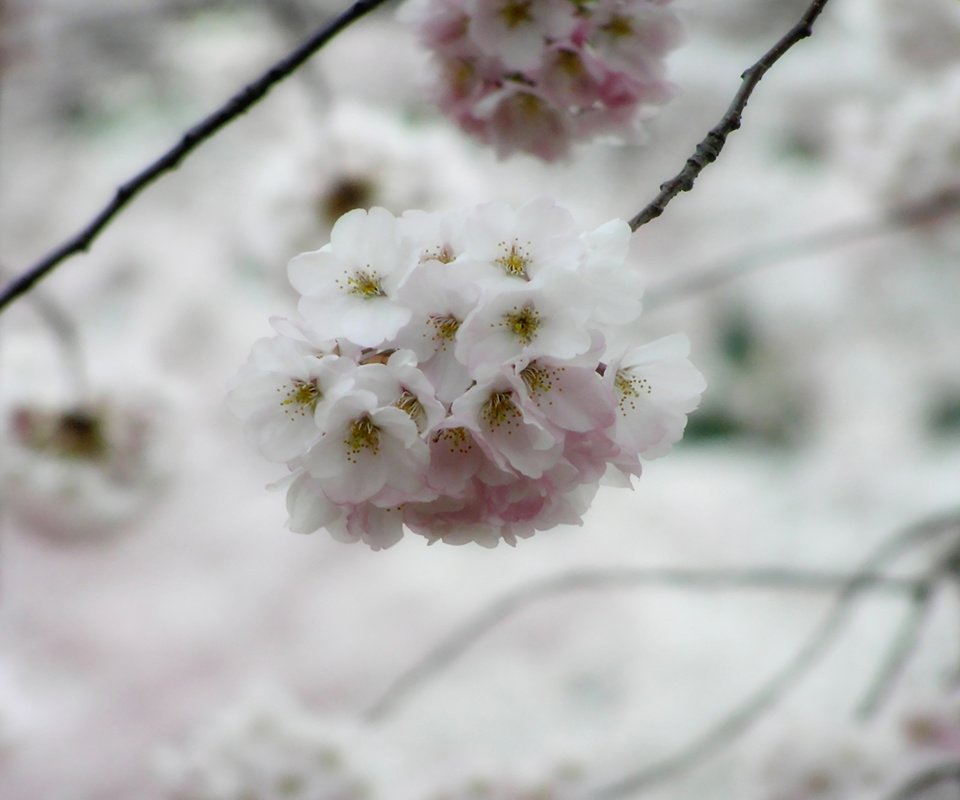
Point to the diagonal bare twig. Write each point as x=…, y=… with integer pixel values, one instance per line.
x=708, y=149
x=237, y=105
x=929, y=210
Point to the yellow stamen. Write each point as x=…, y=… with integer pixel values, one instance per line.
x=501, y=410
x=457, y=439
x=514, y=261
x=630, y=388
x=523, y=323
x=364, y=435
x=300, y=398
x=446, y=329
x=365, y=284
x=515, y=12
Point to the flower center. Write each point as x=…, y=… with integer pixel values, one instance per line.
x=523, y=323
x=515, y=12
x=365, y=284
x=363, y=435
x=500, y=410
x=445, y=329
x=457, y=439
x=442, y=253
x=537, y=379
x=514, y=261
x=570, y=63
x=618, y=26
x=300, y=398
x=630, y=388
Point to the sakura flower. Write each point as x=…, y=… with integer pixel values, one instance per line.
x=349, y=287
x=526, y=323
x=570, y=396
x=514, y=30
x=656, y=387
x=509, y=434
x=280, y=391
x=508, y=247
x=368, y=452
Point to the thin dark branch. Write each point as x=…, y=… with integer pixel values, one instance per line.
x=708, y=150
x=776, y=687
x=450, y=648
x=195, y=136
x=928, y=210
x=928, y=779
x=903, y=644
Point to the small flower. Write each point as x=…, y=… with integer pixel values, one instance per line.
x=368, y=453
x=350, y=286
x=655, y=387
x=280, y=391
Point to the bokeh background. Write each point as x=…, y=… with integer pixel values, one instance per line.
x=147, y=583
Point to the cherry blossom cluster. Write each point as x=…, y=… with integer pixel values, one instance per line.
x=469, y=375
x=536, y=75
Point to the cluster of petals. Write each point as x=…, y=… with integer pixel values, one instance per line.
x=465, y=375
x=537, y=75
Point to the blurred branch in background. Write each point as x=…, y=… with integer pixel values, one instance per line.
x=193, y=138
x=929, y=211
x=711, y=145
x=848, y=586
x=937, y=777
x=775, y=688
x=64, y=330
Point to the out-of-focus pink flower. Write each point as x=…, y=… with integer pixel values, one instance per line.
x=536, y=76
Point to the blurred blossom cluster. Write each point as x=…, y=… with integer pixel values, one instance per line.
x=85, y=471
x=471, y=375
x=537, y=76
x=266, y=747
x=270, y=746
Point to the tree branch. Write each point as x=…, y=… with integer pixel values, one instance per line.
x=776, y=687
x=450, y=648
x=708, y=149
x=929, y=779
x=688, y=282
x=903, y=644
x=193, y=138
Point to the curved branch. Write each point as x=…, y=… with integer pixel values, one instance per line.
x=241, y=102
x=708, y=149
x=450, y=648
x=929, y=778
x=900, y=650
x=769, y=693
